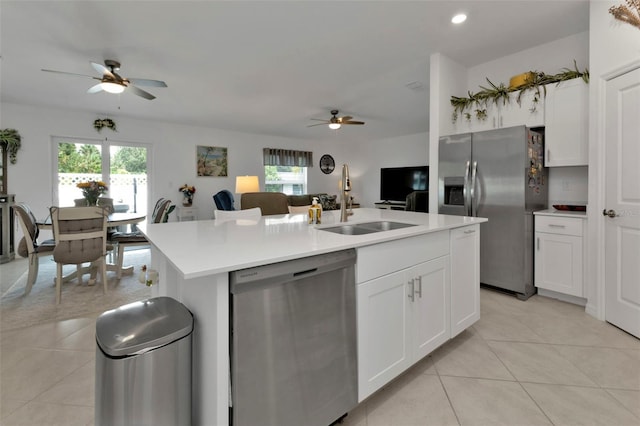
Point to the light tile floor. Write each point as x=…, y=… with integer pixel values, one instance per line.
x=539, y=362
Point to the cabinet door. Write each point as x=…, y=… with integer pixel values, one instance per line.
x=558, y=263
x=383, y=331
x=430, y=315
x=527, y=112
x=566, y=124
x=465, y=278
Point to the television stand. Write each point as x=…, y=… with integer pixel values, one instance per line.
x=390, y=205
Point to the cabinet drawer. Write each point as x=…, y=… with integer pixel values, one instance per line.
x=384, y=258
x=559, y=225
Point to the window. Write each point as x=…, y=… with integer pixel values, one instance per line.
x=285, y=170
x=287, y=179
x=122, y=166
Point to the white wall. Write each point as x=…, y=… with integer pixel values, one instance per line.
x=172, y=151
x=613, y=45
x=367, y=158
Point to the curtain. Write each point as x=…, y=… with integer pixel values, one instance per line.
x=287, y=157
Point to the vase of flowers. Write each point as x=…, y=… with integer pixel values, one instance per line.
x=91, y=190
x=187, y=192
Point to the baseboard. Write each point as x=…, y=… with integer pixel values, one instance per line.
x=563, y=297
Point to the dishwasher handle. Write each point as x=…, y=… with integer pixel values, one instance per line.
x=279, y=273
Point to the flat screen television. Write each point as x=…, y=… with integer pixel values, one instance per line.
x=398, y=182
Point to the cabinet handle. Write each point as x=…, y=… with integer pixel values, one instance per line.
x=470, y=231
x=551, y=225
x=548, y=156
x=538, y=244
x=419, y=291
x=411, y=296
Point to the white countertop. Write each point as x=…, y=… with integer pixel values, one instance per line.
x=208, y=247
x=561, y=213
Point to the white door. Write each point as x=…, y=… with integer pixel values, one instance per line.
x=622, y=202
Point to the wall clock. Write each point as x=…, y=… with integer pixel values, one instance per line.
x=327, y=164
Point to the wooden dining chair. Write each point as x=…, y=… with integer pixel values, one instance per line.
x=129, y=239
x=80, y=234
x=28, y=246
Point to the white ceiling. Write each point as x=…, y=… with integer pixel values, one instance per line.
x=264, y=67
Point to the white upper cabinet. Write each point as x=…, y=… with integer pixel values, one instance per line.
x=527, y=112
x=567, y=124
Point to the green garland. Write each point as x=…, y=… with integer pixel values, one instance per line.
x=10, y=140
x=463, y=106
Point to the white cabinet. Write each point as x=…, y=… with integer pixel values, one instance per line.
x=465, y=278
x=184, y=213
x=404, y=314
x=526, y=113
x=559, y=254
x=567, y=123
x=402, y=317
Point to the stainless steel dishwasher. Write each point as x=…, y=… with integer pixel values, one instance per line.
x=293, y=342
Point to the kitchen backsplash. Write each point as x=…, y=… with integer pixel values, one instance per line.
x=568, y=185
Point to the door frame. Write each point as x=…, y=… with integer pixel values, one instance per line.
x=595, y=290
x=105, y=144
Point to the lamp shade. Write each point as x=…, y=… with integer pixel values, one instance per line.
x=247, y=184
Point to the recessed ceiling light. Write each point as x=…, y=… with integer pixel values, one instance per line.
x=459, y=18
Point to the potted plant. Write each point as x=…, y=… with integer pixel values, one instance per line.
x=10, y=141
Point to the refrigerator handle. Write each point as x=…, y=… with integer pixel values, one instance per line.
x=472, y=204
x=465, y=189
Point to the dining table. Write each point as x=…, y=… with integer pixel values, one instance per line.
x=114, y=220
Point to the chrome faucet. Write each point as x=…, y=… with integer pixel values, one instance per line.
x=345, y=184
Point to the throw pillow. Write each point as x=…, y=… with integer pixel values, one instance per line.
x=328, y=202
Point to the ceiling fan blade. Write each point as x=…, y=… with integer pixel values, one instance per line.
x=353, y=122
x=320, y=119
x=141, y=92
x=345, y=118
x=319, y=124
x=146, y=82
x=95, y=89
x=69, y=73
x=102, y=69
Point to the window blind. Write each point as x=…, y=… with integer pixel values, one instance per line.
x=287, y=157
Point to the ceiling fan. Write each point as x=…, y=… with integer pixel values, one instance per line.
x=336, y=122
x=112, y=82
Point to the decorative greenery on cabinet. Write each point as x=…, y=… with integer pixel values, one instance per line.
x=10, y=141
x=476, y=103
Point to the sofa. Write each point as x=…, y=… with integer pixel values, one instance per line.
x=278, y=203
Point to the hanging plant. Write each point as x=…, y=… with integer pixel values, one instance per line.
x=10, y=140
x=626, y=13
x=104, y=122
x=495, y=93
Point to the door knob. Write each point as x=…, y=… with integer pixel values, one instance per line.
x=610, y=213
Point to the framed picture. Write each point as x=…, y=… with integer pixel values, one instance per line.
x=211, y=161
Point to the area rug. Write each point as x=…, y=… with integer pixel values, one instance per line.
x=39, y=306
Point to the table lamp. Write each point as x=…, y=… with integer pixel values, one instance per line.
x=247, y=184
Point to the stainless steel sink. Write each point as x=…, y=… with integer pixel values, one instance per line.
x=385, y=225
x=349, y=230
x=366, y=228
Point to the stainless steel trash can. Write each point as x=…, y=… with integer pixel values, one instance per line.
x=143, y=364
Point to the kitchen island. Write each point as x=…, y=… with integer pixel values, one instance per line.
x=194, y=260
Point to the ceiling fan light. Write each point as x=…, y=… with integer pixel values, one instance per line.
x=112, y=87
x=334, y=126
x=459, y=18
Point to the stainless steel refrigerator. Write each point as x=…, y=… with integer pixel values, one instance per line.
x=497, y=174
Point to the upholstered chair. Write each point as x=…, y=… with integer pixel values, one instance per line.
x=81, y=236
x=130, y=239
x=28, y=246
x=224, y=200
